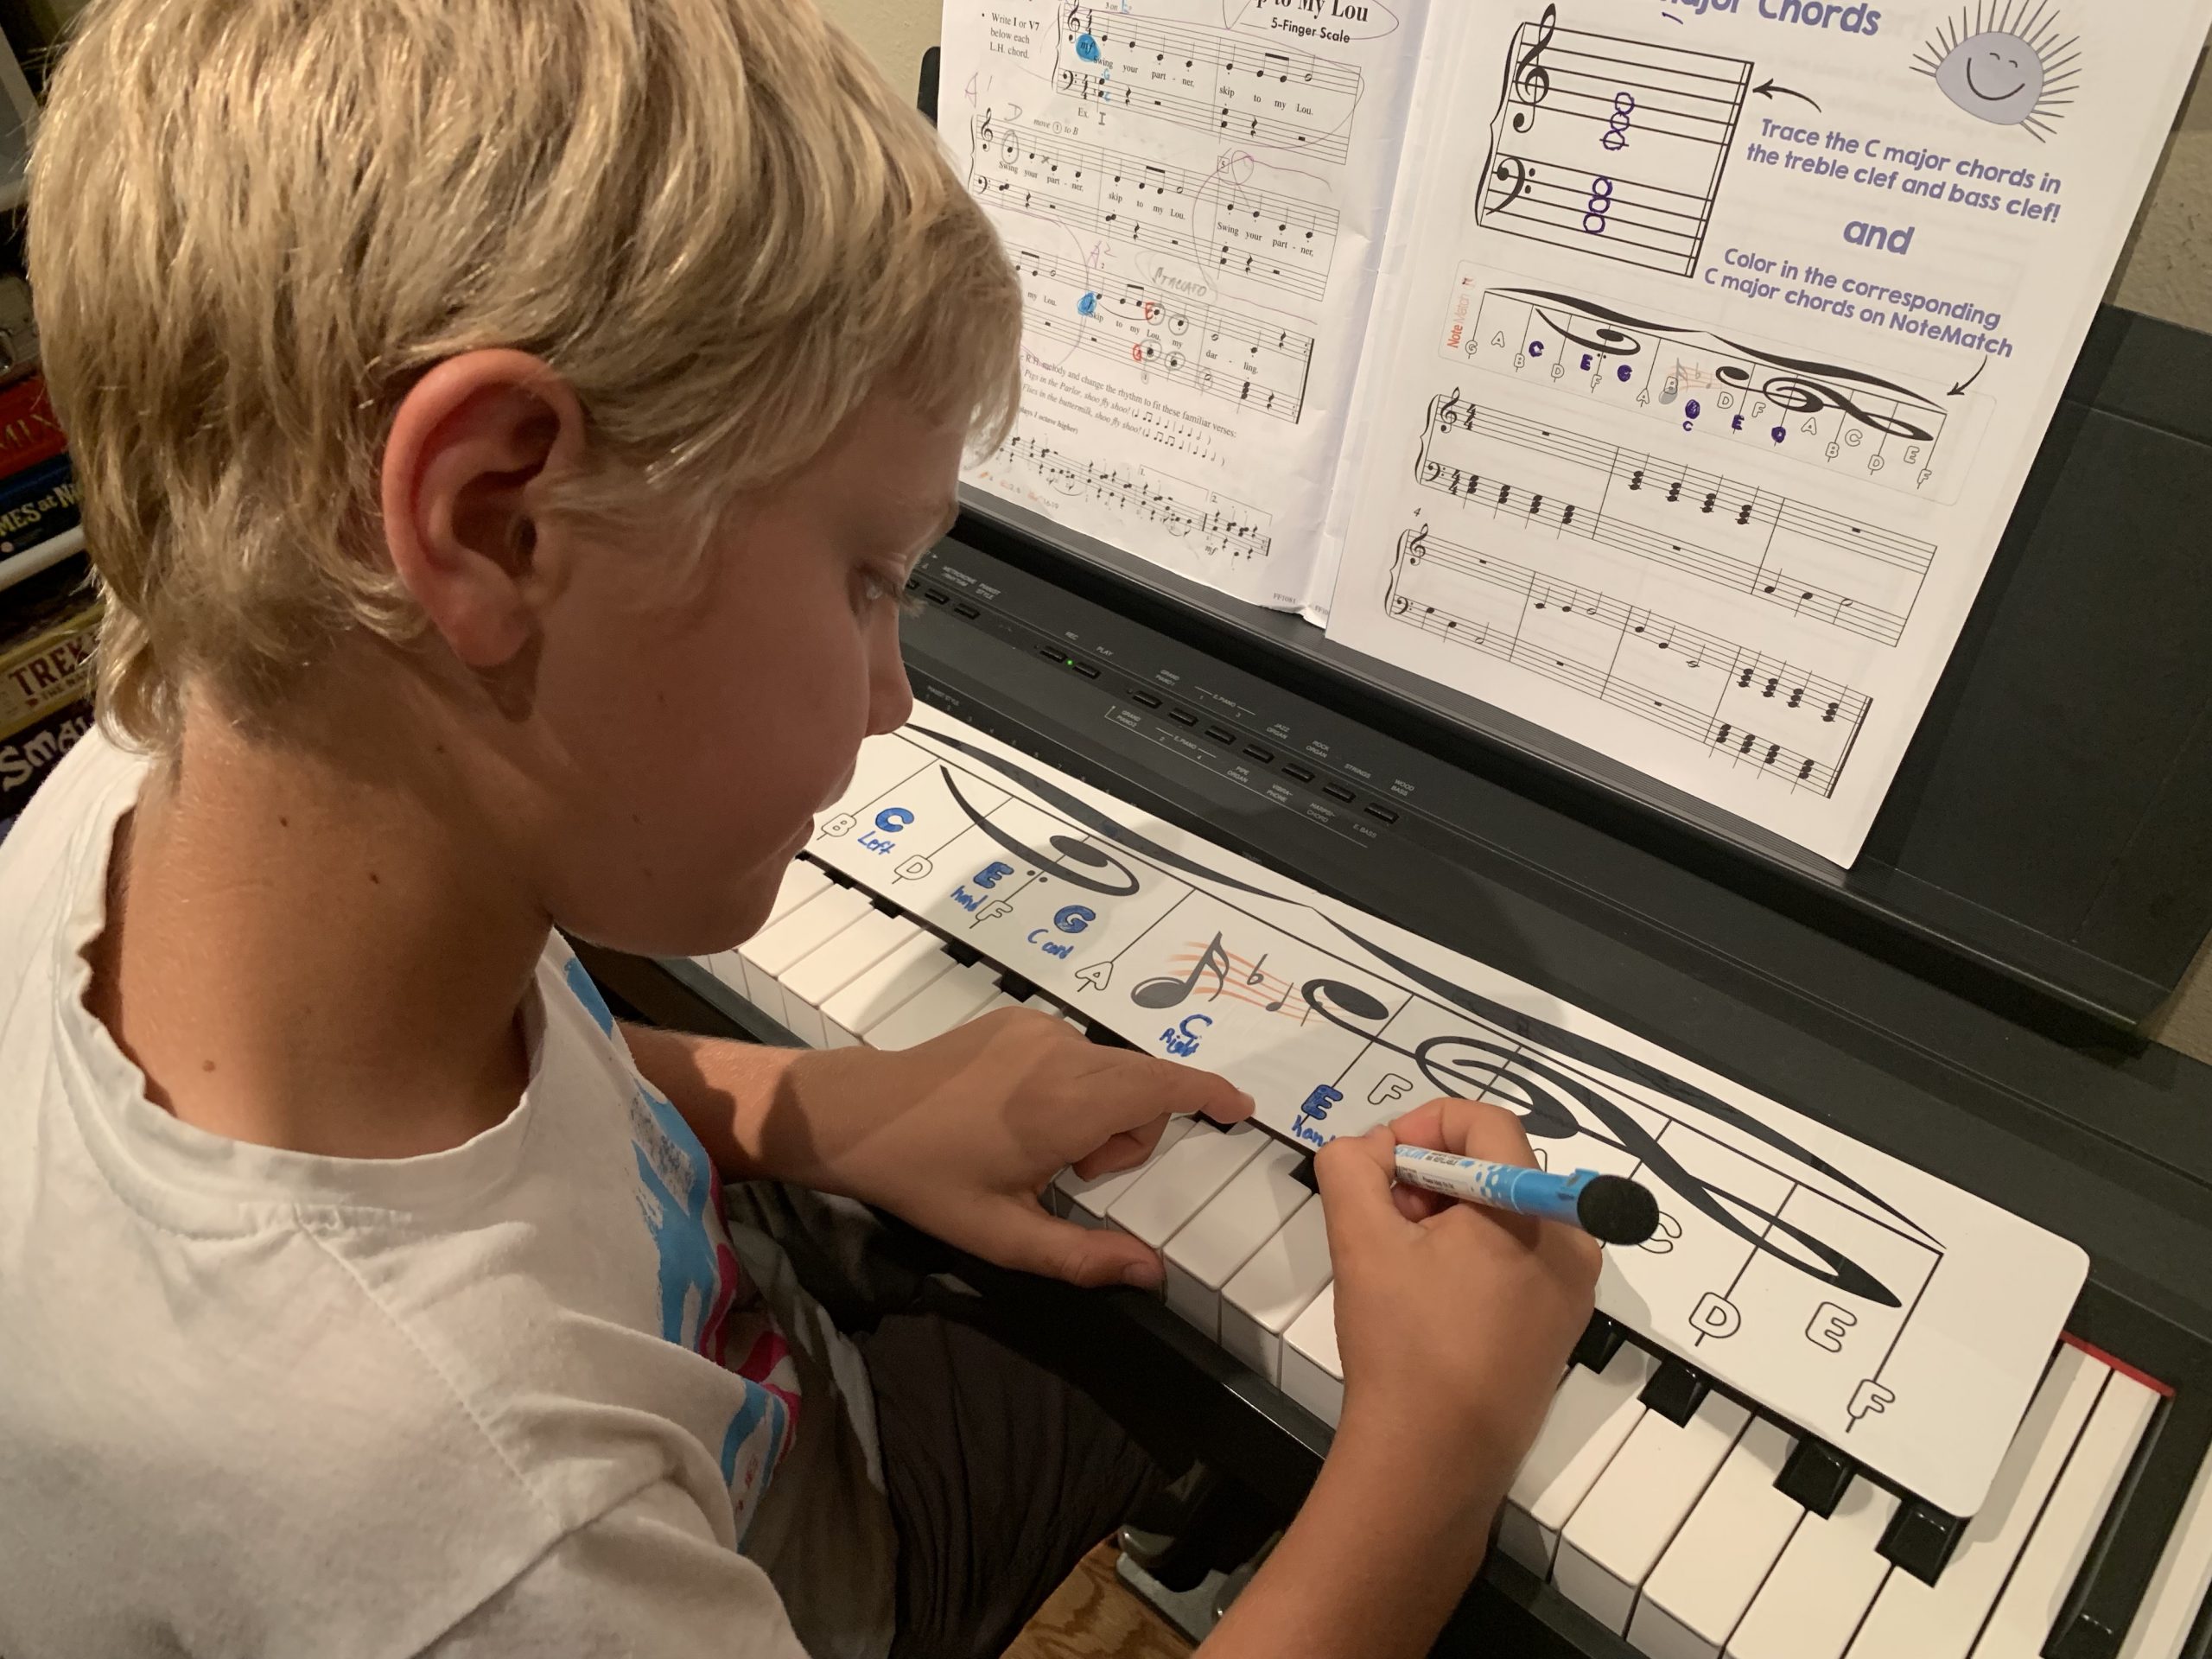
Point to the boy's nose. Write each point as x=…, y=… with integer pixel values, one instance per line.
x=893, y=701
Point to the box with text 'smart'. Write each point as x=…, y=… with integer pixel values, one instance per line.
x=46, y=693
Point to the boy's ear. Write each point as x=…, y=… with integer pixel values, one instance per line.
x=467, y=443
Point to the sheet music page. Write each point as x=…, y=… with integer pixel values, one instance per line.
x=1193, y=193
x=1721, y=336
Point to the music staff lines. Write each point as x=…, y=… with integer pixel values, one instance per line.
x=1729, y=699
x=1843, y=420
x=1220, y=81
x=1610, y=146
x=1210, y=218
x=1219, y=523
x=1825, y=566
x=1212, y=349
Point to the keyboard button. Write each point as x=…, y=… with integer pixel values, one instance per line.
x=1146, y=698
x=1812, y=1602
x=950, y=1002
x=1254, y=752
x=1696, y=1595
x=2045, y=1573
x=964, y=609
x=1298, y=773
x=1592, y=1417
x=771, y=953
x=936, y=595
x=1312, y=1375
x=1913, y=1620
x=1816, y=1476
x=882, y=990
x=1226, y=1233
x=818, y=976
x=2178, y=1596
x=1181, y=1183
x=1283, y=1277
x=1675, y=1391
x=1182, y=717
x=1089, y=1201
x=1220, y=734
x=1639, y=1504
x=1339, y=791
x=1382, y=812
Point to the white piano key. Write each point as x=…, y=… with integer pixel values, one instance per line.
x=950, y=1002
x=2045, y=1573
x=771, y=953
x=1227, y=1233
x=802, y=880
x=1827, y=1577
x=1620, y=1530
x=1913, y=1620
x=1312, y=1374
x=1090, y=1200
x=822, y=973
x=1180, y=1184
x=1278, y=1284
x=1592, y=1416
x=884, y=989
x=2182, y=1583
x=1696, y=1595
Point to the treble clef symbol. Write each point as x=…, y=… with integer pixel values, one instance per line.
x=984, y=133
x=1531, y=83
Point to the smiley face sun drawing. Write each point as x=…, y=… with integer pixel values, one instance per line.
x=2008, y=64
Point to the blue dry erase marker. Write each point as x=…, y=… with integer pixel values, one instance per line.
x=1610, y=1208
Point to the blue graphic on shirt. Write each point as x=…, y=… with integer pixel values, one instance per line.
x=587, y=993
x=698, y=1276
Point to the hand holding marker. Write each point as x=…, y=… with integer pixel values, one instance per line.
x=1610, y=1208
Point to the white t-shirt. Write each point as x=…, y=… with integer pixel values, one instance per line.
x=516, y=1397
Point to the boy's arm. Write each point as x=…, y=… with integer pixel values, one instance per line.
x=1454, y=1325
x=723, y=1088
x=957, y=1135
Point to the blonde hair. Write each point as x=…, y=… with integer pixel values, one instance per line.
x=255, y=224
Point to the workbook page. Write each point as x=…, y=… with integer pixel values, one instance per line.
x=1193, y=193
x=1716, y=340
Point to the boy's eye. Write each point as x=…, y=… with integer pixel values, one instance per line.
x=878, y=584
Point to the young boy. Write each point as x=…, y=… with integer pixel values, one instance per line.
x=504, y=427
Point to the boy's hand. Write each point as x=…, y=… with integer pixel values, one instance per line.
x=1453, y=1321
x=960, y=1134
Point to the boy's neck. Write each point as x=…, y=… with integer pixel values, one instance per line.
x=315, y=954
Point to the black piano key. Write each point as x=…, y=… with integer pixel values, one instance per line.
x=1106, y=1039
x=1815, y=1477
x=1015, y=986
x=965, y=955
x=1302, y=1172
x=1920, y=1539
x=2094, y=1619
x=2198, y=1643
x=1601, y=1339
x=1675, y=1391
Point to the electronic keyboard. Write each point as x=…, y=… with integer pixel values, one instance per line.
x=1679, y=1516
x=1934, y=1049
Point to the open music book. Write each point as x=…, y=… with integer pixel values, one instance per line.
x=1664, y=371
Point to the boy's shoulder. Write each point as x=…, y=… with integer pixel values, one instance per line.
x=280, y=1402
